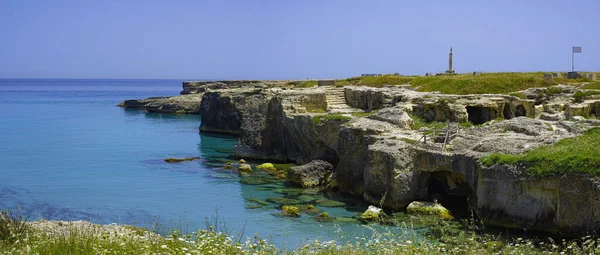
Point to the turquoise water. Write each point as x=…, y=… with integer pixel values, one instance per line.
x=68, y=153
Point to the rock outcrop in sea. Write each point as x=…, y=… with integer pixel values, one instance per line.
x=378, y=152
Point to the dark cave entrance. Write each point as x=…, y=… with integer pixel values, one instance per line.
x=507, y=112
x=520, y=111
x=450, y=190
x=479, y=115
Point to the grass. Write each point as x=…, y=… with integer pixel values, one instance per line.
x=330, y=117
x=518, y=94
x=419, y=123
x=363, y=114
x=578, y=155
x=593, y=85
x=485, y=83
x=443, y=237
x=580, y=96
x=377, y=82
x=303, y=84
x=12, y=227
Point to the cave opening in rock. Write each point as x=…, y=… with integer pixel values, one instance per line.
x=479, y=115
x=595, y=109
x=450, y=191
x=520, y=111
x=507, y=112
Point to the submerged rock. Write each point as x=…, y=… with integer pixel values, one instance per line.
x=179, y=160
x=256, y=180
x=373, y=213
x=346, y=220
x=315, y=173
x=310, y=209
x=228, y=166
x=430, y=208
x=306, y=198
x=284, y=201
x=330, y=203
x=257, y=201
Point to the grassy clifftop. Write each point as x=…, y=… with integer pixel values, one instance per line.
x=485, y=83
x=579, y=154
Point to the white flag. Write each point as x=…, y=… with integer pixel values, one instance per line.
x=577, y=49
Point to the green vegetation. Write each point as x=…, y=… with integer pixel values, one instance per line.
x=363, y=114
x=553, y=91
x=593, y=85
x=377, y=82
x=519, y=95
x=485, y=83
x=408, y=140
x=330, y=117
x=303, y=84
x=580, y=95
x=442, y=237
x=579, y=154
x=419, y=123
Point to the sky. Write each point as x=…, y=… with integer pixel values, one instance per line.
x=289, y=39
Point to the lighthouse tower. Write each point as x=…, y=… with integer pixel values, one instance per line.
x=450, y=70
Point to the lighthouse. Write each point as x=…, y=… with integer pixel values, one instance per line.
x=450, y=70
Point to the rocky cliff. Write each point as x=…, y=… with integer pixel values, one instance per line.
x=378, y=156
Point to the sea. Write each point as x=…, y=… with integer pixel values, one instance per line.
x=68, y=152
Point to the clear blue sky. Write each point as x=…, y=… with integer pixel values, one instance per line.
x=285, y=39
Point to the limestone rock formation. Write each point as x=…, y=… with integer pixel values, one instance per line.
x=315, y=173
x=381, y=159
x=189, y=104
x=429, y=208
x=372, y=213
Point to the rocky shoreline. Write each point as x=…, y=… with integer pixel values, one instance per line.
x=372, y=139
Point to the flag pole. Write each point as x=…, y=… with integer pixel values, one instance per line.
x=573, y=60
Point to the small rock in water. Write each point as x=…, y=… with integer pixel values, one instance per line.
x=291, y=211
x=242, y=161
x=245, y=169
x=372, y=213
x=323, y=217
x=179, y=160
x=430, y=208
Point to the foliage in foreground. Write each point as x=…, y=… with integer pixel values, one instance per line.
x=114, y=239
x=579, y=154
x=330, y=117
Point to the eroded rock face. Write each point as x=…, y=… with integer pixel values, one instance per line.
x=198, y=87
x=394, y=116
x=315, y=173
x=382, y=160
x=566, y=205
